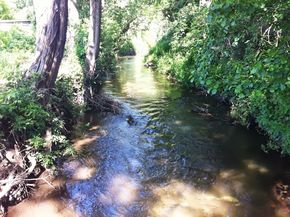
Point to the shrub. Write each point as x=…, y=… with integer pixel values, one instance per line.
x=222, y=50
x=15, y=39
x=127, y=49
x=24, y=118
x=5, y=13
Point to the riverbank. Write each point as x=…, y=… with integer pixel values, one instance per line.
x=213, y=52
x=50, y=198
x=153, y=159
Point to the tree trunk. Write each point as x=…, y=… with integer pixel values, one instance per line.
x=93, y=50
x=40, y=8
x=50, y=44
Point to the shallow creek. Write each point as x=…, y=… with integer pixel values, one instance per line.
x=161, y=158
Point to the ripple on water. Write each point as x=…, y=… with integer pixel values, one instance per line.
x=172, y=162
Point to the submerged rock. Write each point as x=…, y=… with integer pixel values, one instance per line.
x=149, y=64
x=130, y=120
x=200, y=109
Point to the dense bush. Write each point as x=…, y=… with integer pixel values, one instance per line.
x=81, y=42
x=239, y=50
x=16, y=48
x=127, y=49
x=22, y=118
x=5, y=13
x=15, y=39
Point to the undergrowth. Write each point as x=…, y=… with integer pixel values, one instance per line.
x=239, y=50
x=23, y=120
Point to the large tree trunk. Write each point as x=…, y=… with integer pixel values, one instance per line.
x=93, y=50
x=41, y=16
x=50, y=43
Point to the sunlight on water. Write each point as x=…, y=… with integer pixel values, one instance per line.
x=122, y=190
x=45, y=208
x=252, y=165
x=81, y=143
x=179, y=199
x=90, y=137
x=168, y=161
x=141, y=85
x=81, y=170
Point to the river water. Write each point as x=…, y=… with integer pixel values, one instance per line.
x=161, y=158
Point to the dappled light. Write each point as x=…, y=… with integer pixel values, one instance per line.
x=137, y=108
x=79, y=144
x=229, y=183
x=252, y=165
x=43, y=208
x=80, y=169
x=121, y=190
x=47, y=201
x=178, y=199
x=87, y=139
x=178, y=122
x=52, y=198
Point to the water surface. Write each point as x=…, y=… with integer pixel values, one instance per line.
x=161, y=158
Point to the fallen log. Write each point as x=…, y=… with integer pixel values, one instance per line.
x=104, y=103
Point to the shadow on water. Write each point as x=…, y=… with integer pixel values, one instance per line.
x=168, y=161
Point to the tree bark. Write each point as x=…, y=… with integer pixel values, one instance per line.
x=93, y=49
x=50, y=44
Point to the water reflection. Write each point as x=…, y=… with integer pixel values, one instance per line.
x=140, y=85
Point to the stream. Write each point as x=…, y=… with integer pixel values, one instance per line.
x=161, y=158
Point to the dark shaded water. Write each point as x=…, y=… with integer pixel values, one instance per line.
x=168, y=161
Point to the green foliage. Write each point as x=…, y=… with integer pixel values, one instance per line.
x=21, y=115
x=81, y=40
x=63, y=101
x=127, y=49
x=20, y=4
x=83, y=8
x=20, y=109
x=16, y=47
x=222, y=50
x=171, y=8
x=5, y=13
x=116, y=22
x=37, y=142
x=15, y=40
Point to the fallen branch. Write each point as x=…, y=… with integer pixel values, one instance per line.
x=15, y=179
x=104, y=103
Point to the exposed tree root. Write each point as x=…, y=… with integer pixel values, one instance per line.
x=16, y=167
x=104, y=103
x=19, y=166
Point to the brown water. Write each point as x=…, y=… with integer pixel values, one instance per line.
x=169, y=162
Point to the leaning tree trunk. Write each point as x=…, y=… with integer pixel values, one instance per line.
x=49, y=53
x=93, y=50
x=50, y=44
